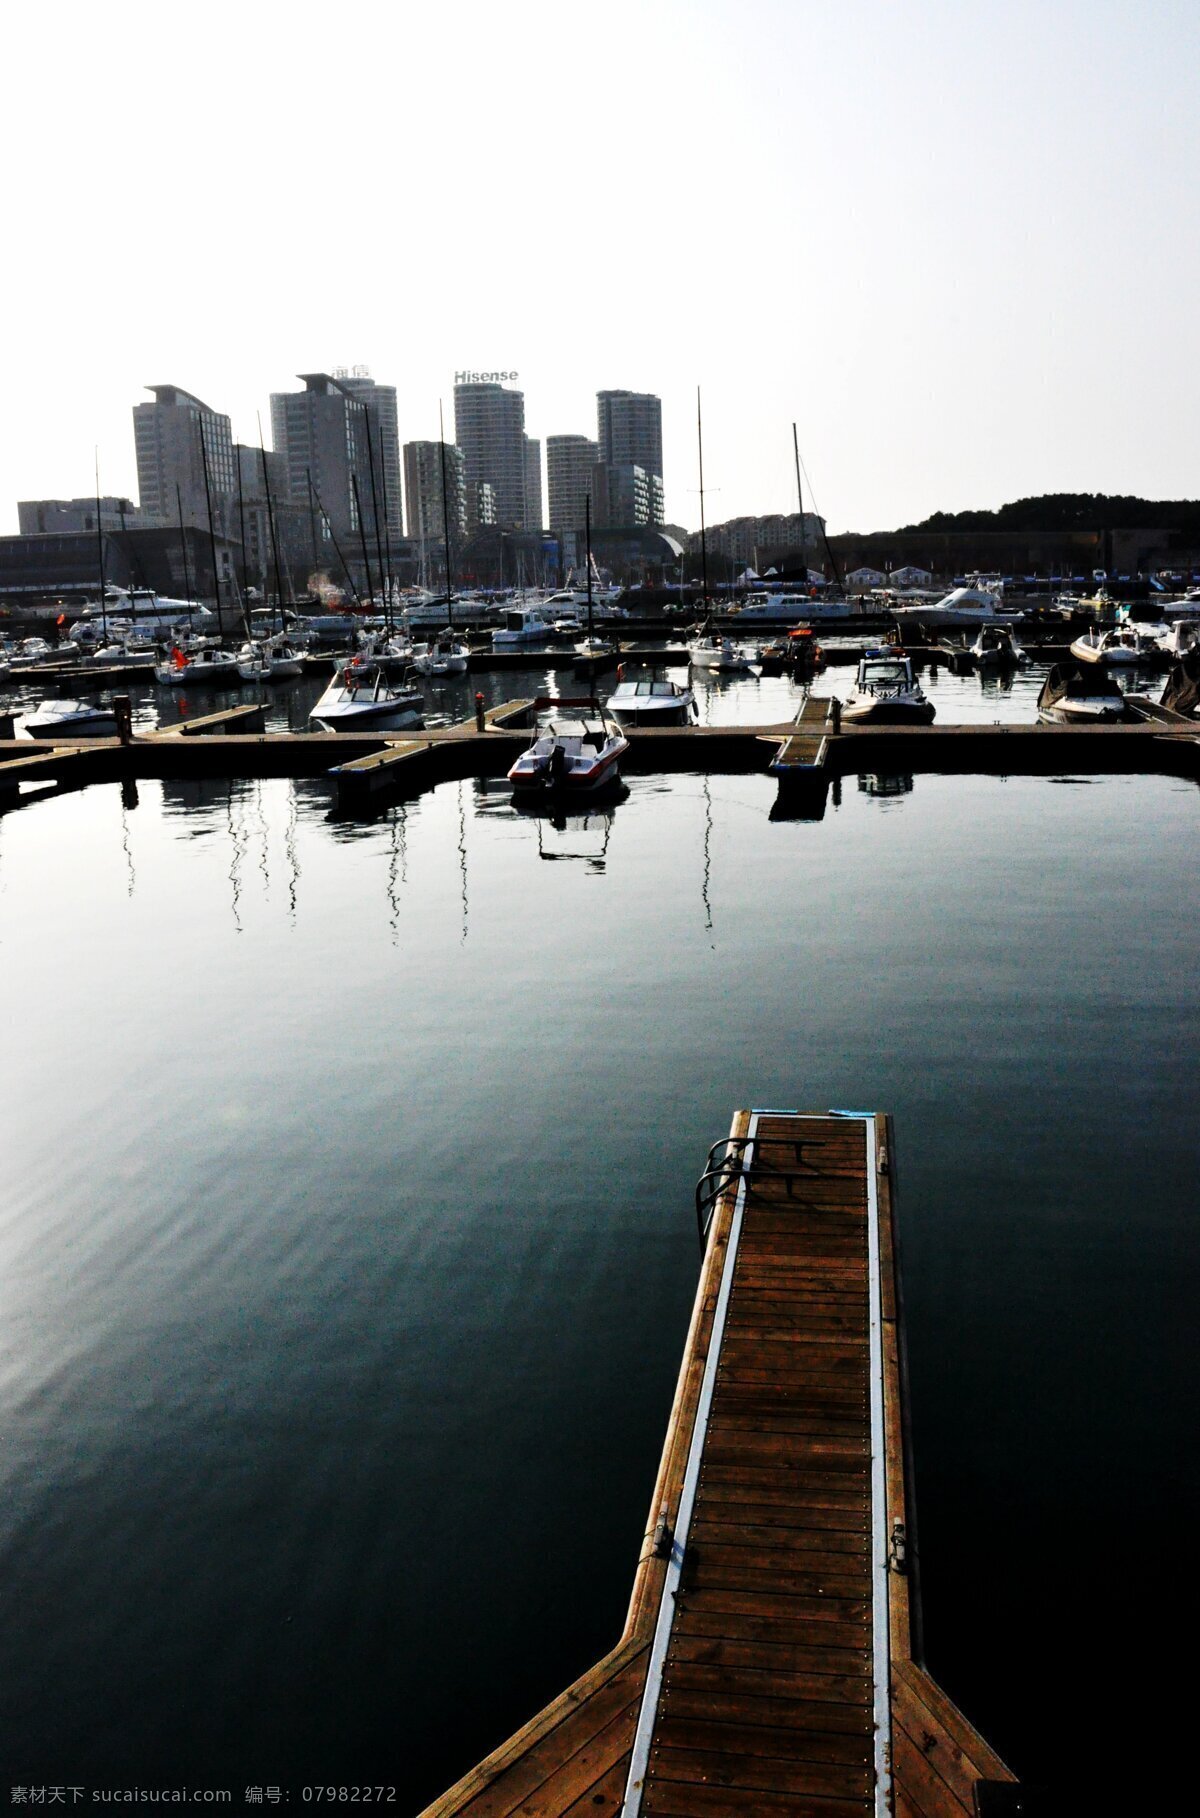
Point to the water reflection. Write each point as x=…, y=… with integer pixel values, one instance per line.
x=878, y=784
x=578, y=836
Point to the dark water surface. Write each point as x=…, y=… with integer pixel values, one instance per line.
x=347, y=1250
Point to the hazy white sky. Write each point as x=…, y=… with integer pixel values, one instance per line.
x=957, y=242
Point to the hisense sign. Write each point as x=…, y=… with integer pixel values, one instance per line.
x=483, y=378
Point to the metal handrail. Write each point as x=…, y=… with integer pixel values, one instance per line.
x=740, y=1155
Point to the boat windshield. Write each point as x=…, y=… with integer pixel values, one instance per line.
x=885, y=674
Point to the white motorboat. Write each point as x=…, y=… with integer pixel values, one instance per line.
x=568, y=626
x=446, y=655
x=1120, y=648
x=530, y=624
x=1071, y=697
x=142, y=609
x=886, y=691
x=71, y=720
x=34, y=653
x=355, y=701
x=712, y=651
x=651, y=701
x=205, y=668
x=961, y=607
x=595, y=649
x=1177, y=638
x=996, y=647
x=577, y=751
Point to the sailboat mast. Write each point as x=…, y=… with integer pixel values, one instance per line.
x=387, y=605
x=703, y=539
x=271, y=522
x=212, y=538
x=446, y=518
x=100, y=553
x=242, y=535
x=800, y=503
x=587, y=508
x=337, y=548
x=362, y=537
x=187, y=583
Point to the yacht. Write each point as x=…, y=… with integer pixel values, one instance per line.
x=145, y=609
x=1071, y=697
x=357, y=701
x=709, y=650
x=886, y=692
x=962, y=606
x=651, y=701
x=576, y=751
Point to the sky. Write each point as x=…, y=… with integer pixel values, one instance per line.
x=956, y=243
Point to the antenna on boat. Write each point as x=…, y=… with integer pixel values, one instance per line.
x=446, y=521
x=100, y=552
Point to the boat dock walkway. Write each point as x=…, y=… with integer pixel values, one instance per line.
x=768, y=1665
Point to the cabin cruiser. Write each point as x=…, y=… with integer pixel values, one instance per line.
x=1071, y=697
x=573, y=601
x=1177, y=638
x=1122, y=647
x=996, y=647
x=651, y=701
x=577, y=750
x=446, y=655
x=145, y=609
x=71, y=720
x=887, y=692
x=529, y=624
x=962, y=606
x=799, y=652
x=709, y=650
x=357, y=700
x=201, y=668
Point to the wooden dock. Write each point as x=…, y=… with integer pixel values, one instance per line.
x=767, y=1668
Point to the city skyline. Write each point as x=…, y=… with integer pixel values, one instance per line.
x=916, y=232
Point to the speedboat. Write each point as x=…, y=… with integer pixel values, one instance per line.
x=72, y=720
x=574, y=753
x=446, y=655
x=653, y=701
x=887, y=692
x=595, y=650
x=996, y=647
x=711, y=651
x=1071, y=697
x=1122, y=647
x=355, y=700
x=569, y=626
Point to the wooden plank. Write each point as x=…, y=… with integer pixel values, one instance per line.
x=605, y=1795
x=782, y=1659
x=754, y=1771
x=703, y=1717
x=671, y=1799
x=924, y=1789
x=922, y=1705
x=763, y=1681
x=777, y=1542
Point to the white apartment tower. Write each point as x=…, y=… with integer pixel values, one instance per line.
x=169, y=437
x=569, y=464
x=489, y=427
x=629, y=431
x=423, y=491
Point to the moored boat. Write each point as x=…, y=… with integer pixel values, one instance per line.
x=996, y=647
x=197, y=669
x=71, y=720
x=446, y=655
x=578, y=750
x=709, y=650
x=354, y=700
x=1070, y=696
x=886, y=691
x=651, y=701
x=1120, y=648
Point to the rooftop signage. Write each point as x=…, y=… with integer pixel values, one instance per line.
x=483, y=378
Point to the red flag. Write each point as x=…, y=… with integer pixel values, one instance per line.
x=61, y=619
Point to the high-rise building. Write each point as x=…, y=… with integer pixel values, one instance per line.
x=569, y=464
x=625, y=496
x=381, y=403
x=423, y=491
x=489, y=427
x=534, y=518
x=322, y=431
x=173, y=437
x=629, y=431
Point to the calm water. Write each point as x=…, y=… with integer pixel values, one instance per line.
x=347, y=1249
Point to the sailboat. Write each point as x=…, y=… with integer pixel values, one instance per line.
x=707, y=649
x=592, y=646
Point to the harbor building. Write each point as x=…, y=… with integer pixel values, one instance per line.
x=41, y=517
x=323, y=431
x=765, y=539
x=569, y=464
x=534, y=515
x=173, y=437
x=629, y=433
x=489, y=427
